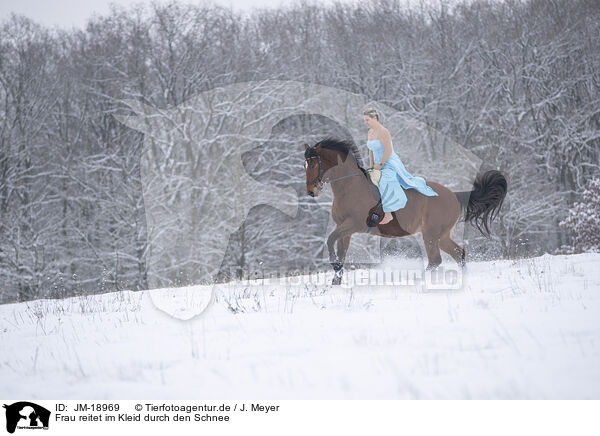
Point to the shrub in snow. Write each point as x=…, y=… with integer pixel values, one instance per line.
x=583, y=220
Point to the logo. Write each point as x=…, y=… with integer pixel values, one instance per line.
x=26, y=415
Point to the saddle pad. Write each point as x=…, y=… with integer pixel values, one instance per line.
x=375, y=175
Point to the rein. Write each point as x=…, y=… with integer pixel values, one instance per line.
x=343, y=177
x=319, y=178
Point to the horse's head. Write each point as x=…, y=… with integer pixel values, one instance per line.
x=327, y=161
x=313, y=164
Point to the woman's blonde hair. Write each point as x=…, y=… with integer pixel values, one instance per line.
x=372, y=112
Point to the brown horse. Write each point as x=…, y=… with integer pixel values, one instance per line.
x=356, y=207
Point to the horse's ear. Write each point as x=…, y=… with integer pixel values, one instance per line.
x=306, y=146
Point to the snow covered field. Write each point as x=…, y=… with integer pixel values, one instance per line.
x=516, y=330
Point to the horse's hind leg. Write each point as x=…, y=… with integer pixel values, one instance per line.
x=432, y=247
x=453, y=249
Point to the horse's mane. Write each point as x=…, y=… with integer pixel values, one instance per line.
x=347, y=147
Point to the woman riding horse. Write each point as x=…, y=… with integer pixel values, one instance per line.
x=394, y=176
x=355, y=199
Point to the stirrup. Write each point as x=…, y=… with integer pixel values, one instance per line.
x=376, y=216
x=374, y=219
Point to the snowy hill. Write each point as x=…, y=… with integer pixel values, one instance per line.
x=517, y=329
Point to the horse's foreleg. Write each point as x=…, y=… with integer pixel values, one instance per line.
x=343, y=244
x=334, y=238
x=331, y=240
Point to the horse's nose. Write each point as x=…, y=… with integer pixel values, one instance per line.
x=312, y=194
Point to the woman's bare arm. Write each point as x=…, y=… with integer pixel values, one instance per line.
x=386, y=140
x=370, y=158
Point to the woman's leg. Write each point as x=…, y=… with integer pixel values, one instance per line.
x=392, y=195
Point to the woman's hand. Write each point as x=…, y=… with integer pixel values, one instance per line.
x=378, y=166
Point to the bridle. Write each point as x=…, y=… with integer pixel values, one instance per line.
x=319, y=180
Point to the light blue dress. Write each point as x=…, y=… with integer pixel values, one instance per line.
x=394, y=177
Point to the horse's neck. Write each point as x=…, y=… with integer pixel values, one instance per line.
x=341, y=191
x=347, y=189
x=353, y=182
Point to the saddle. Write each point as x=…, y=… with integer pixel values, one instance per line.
x=375, y=175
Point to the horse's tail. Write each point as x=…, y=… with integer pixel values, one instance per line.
x=482, y=204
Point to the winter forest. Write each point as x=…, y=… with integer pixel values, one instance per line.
x=517, y=83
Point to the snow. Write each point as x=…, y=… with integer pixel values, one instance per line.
x=518, y=329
